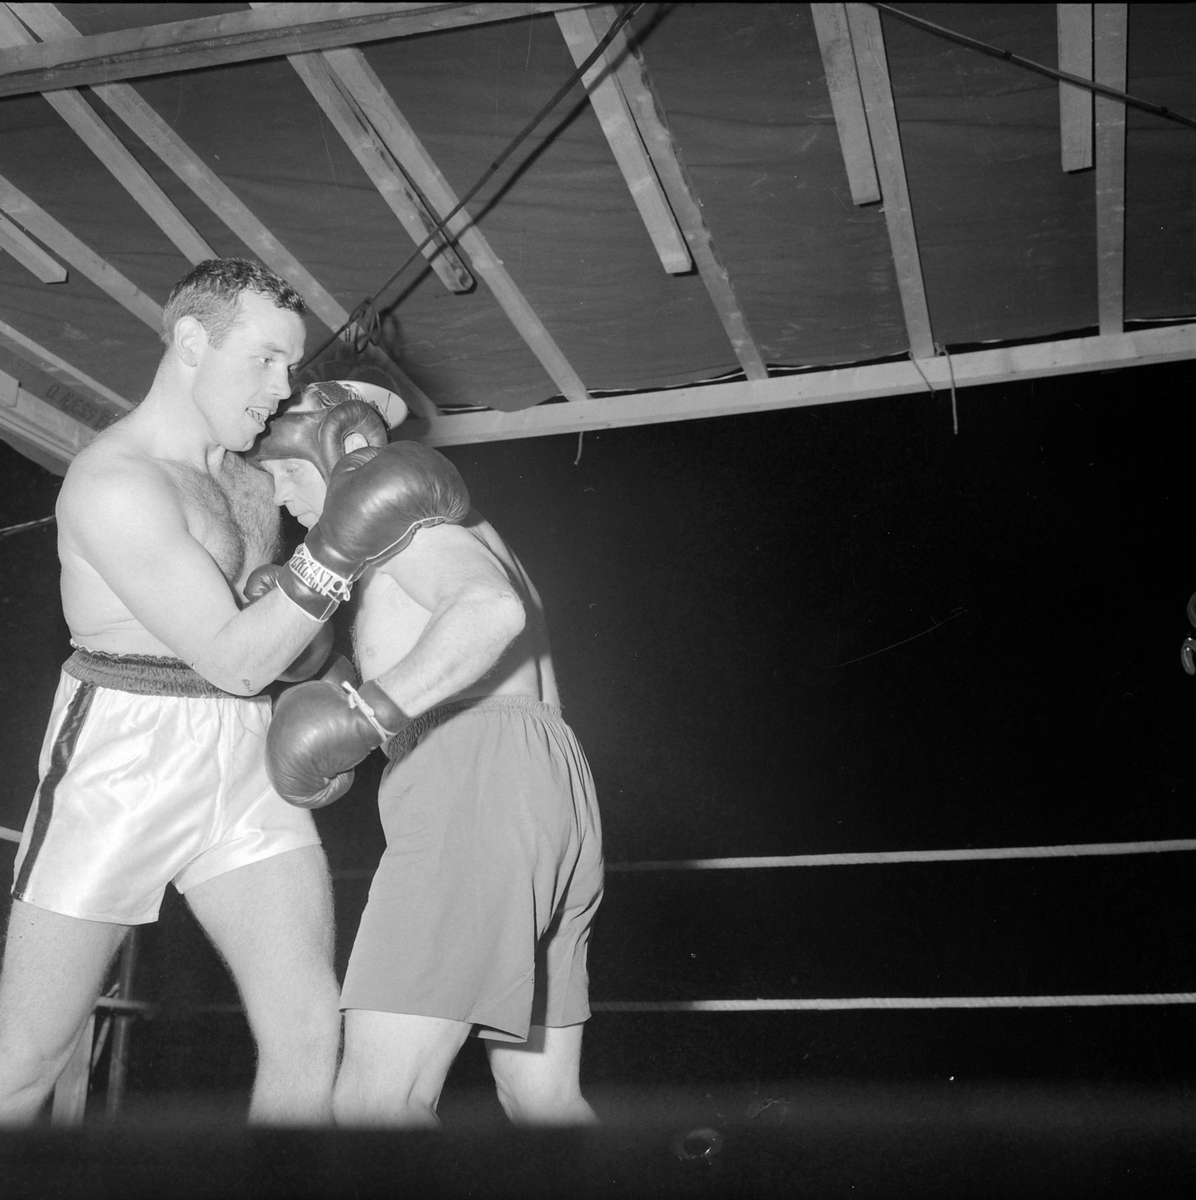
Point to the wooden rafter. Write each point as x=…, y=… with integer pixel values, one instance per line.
x=276, y=30
x=1074, y=23
x=113, y=153
x=1109, y=50
x=355, y=130
x=872, y=64
x=847, y=102
x=970, y=369
x=47, y=435
x=86, y=261
x=47, y=22
x=58, y=382
x=618, y=125
x=358, y=80
x=29, y=254
x=641, y=96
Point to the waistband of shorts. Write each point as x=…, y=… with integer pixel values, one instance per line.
x=141, y=674
x=404, y=741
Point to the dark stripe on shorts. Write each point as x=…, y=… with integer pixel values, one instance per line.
x=60, y=759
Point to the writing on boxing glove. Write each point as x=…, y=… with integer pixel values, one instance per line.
x=312, y=658
x=320, y=731
x=377, y=500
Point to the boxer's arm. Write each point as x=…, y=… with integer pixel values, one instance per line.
x=475, y=615
x=127, y=522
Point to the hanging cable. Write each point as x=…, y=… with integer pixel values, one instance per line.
x=366, y=307
x=1029, y=64
x=10, y=529
x=951, y=371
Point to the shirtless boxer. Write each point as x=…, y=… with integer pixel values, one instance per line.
x=479, y=914
x=153, y=764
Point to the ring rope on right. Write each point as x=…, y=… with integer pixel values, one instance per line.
x=840, y=1003
x=906, y=856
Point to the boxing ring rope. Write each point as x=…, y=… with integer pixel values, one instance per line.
x=907, y=856
x=840, y=1003
x=865, y=858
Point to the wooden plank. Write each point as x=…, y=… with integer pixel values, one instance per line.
x=1108, y=55
x=1074, y=22
x=29, y=254
x=868, y=45
x=65, y=386
x=1007, y=364
x=47, y=22
x=37, y=424
x=62, y=242
x=113, y=153
x=618, y=125
x=232, y=37
x=358, y=80
x=847, y=102
x=649, y=118
x=355, y=130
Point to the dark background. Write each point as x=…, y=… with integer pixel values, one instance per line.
x=825, y=629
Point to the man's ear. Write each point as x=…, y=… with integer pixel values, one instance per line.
x=354, y=441
x=189, y=339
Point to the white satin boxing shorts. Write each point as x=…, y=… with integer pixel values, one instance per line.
x=149, y=775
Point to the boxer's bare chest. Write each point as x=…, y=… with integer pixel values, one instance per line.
x=386, y=625
x=232, y=515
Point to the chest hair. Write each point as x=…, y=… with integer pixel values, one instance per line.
x=233, y=515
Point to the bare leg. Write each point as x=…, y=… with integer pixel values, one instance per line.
x=272, y=921
x=54, y=967
x=394, y=1068
x=538, y=1081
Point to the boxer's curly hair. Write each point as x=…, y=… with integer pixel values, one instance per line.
x=209, y=292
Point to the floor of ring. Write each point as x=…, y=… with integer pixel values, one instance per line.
x=945, y=1138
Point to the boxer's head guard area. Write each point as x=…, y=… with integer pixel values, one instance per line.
x=321, y=422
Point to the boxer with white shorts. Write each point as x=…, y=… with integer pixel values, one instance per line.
x=153, y=762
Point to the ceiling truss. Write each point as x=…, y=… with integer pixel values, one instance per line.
x=42, y=51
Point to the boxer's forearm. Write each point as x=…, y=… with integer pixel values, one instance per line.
x=256, y=645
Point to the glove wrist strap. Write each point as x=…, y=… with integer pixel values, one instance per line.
x=377, y=707
x=311, y=603
x=309, y=571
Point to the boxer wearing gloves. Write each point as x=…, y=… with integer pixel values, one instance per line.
x=479, y=914
x=153, y=766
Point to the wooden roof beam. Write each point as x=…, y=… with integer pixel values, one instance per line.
x=1074, y=24
x=618, y=125
x=355, y=130
x=868, y=46
x=113, y=153
x=29, y=254
x=641, y=97
x=33, y=218
x=1003, y=364
x=1108, y=61
x=47, y=22
x=276, y=30
x=58, y=382
x=359, y=81
x=49, y=437
x=847, y=102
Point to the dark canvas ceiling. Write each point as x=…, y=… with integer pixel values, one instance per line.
x=1006, y=243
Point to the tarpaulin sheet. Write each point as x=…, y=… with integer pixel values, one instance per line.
x=1007, y=239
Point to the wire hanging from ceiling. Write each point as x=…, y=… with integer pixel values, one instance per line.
x=1028, y=64
x=364, y=318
